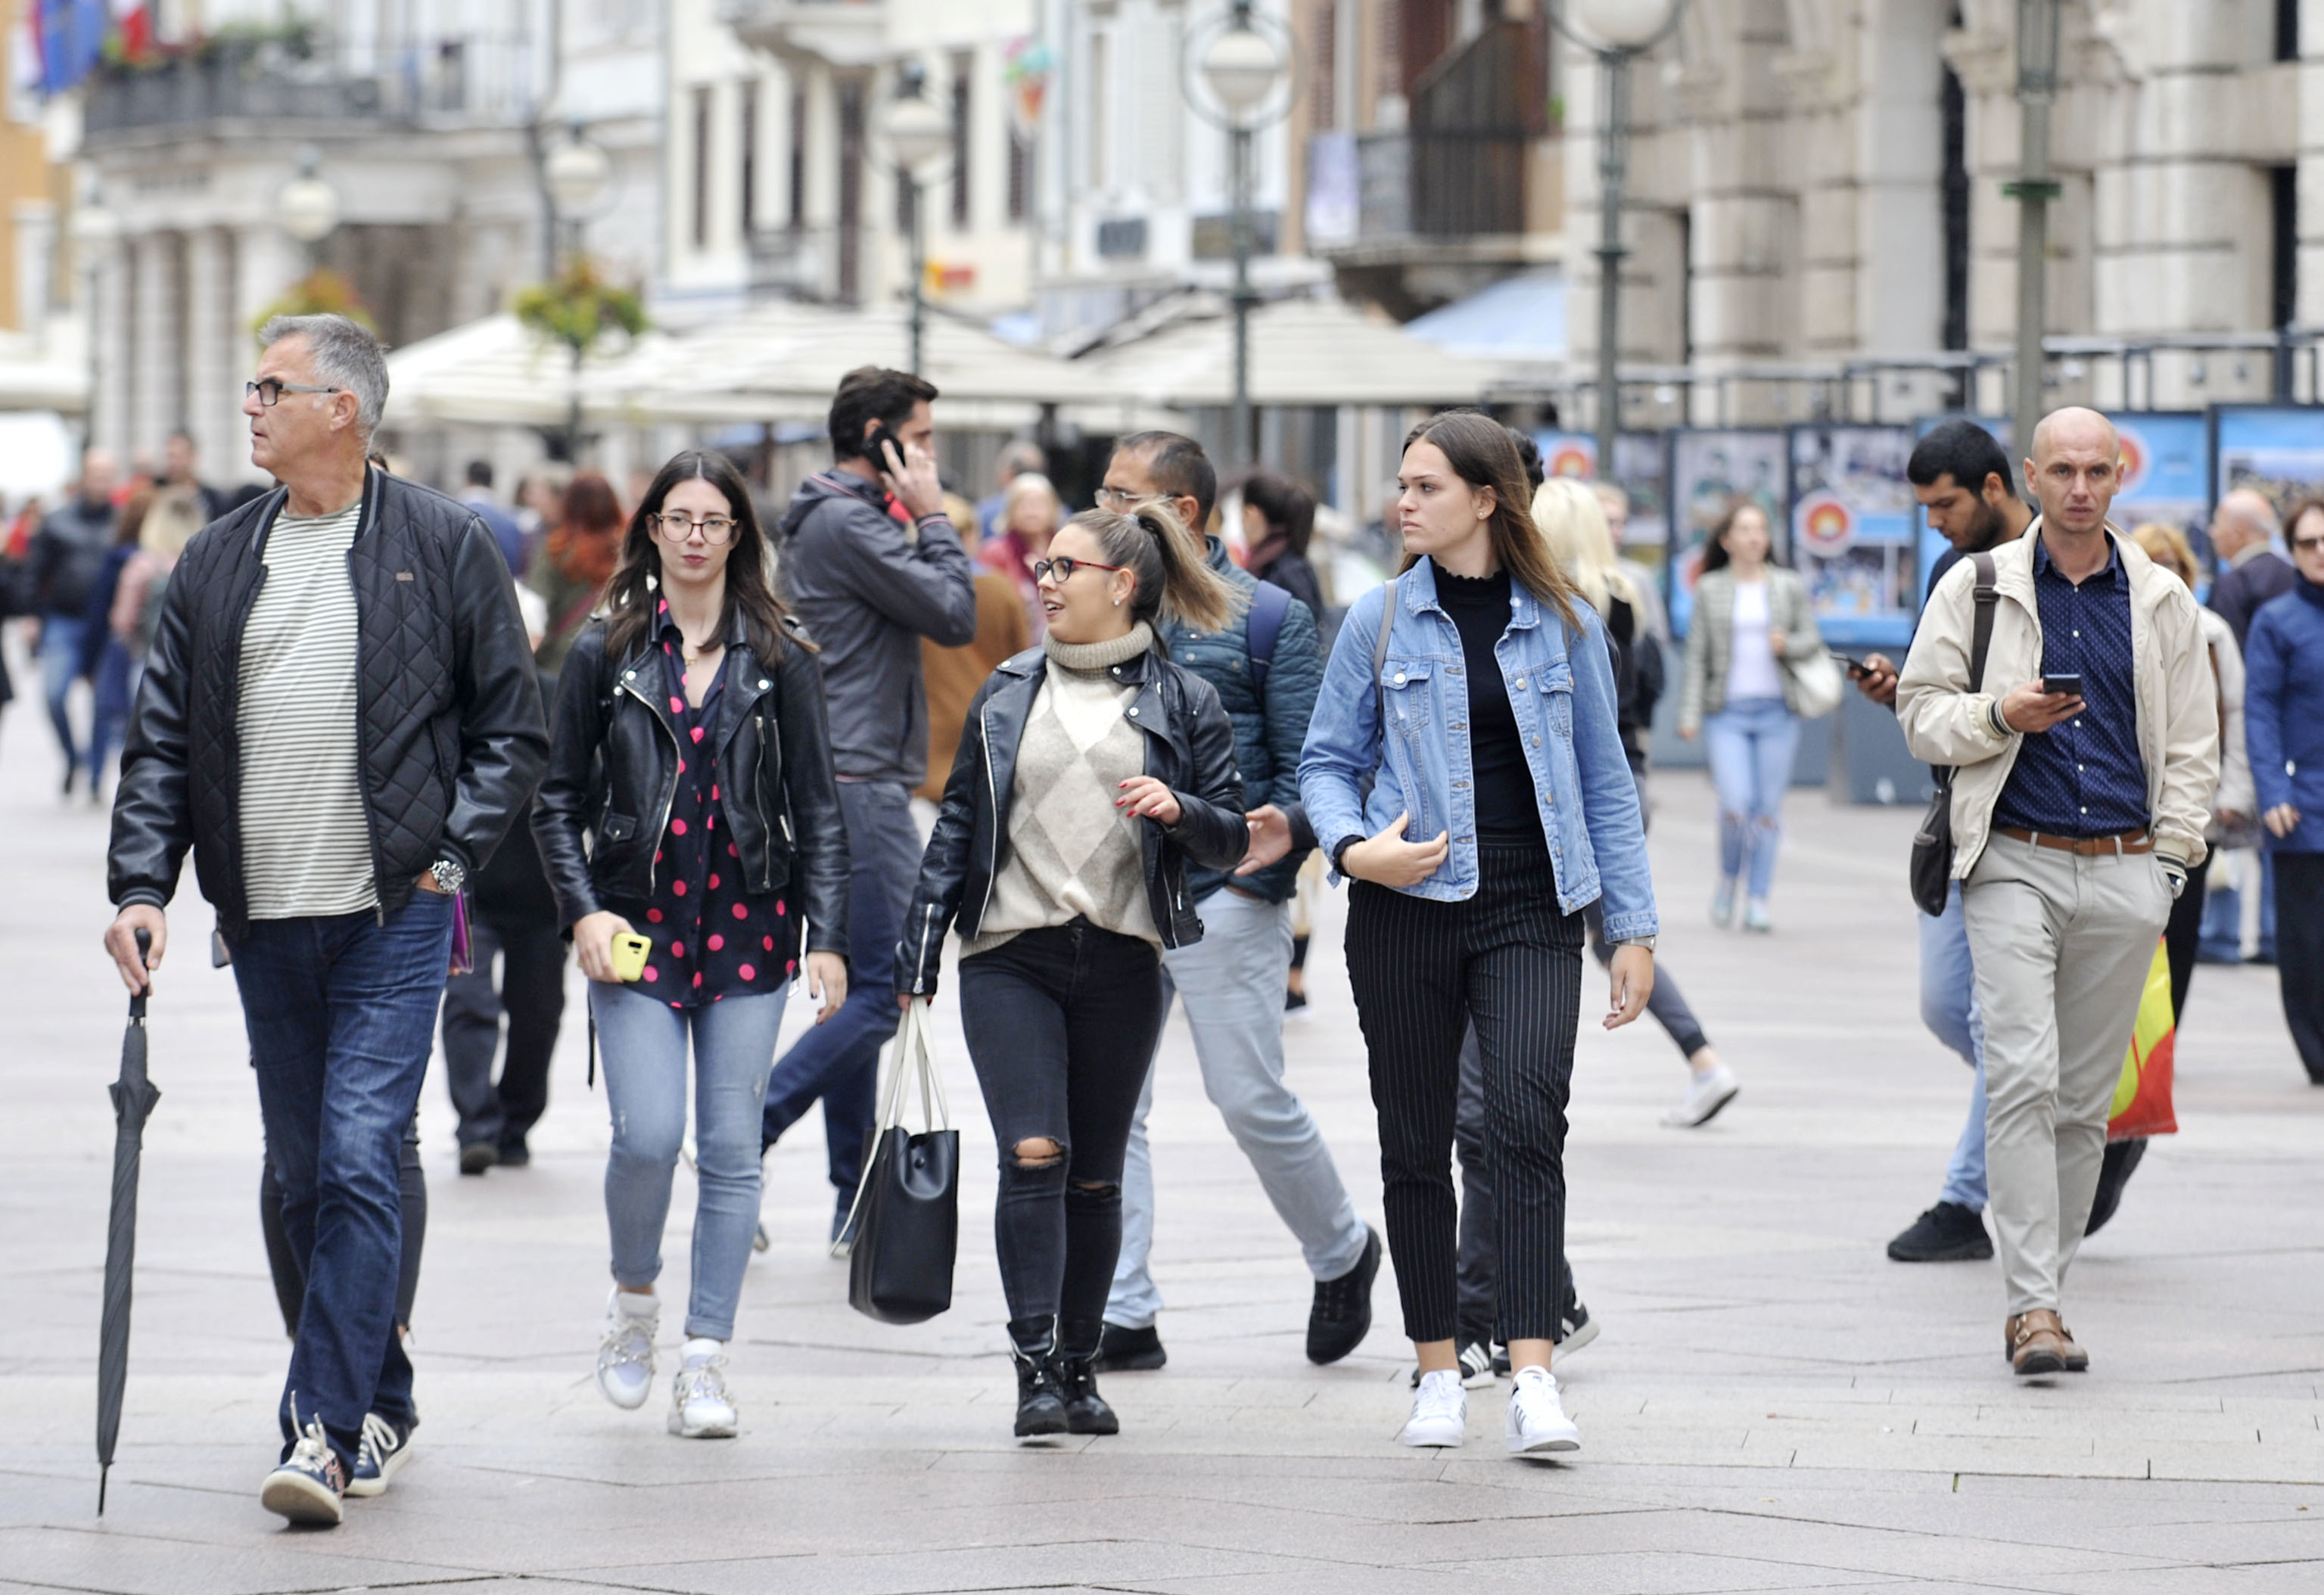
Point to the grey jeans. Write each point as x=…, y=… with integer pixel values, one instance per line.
x=2061, y=946
x=1233, y=981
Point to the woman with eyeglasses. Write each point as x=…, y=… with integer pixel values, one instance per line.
x=692, y=756
x=1477, y=695
x=1090, y=772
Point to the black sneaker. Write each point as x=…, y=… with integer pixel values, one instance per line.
x=1946, y=1234
x=1475, y=1367
x=1343, y=1313
x=386, y=1447
x=1575, y=1329
x=478, y=1157
x=1129, y=1351
x=309, y=1485
x=2113, y=1174
x=514, y=1154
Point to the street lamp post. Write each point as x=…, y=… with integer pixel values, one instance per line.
x=308, y=207
x=576, y=174
x=1614, y=31
x=1244, y=65
x=2037, y=86
x=918, y=135
x=95, y=230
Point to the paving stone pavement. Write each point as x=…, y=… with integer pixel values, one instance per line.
x=1772, y=1406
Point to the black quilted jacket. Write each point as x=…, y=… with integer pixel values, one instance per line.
x=453, y=737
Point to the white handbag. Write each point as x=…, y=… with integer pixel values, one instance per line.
x=1818, y=682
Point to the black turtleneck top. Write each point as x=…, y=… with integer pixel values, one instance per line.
x=1507, y=810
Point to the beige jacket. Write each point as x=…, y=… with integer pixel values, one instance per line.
x=1710, y=640
x=1946, y=716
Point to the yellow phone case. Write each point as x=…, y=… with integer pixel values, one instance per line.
x=630, y=956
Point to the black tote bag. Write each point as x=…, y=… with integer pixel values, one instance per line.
x=906, y=1217
x=1933, y=845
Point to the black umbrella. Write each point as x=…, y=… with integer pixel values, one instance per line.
x=134, y=1097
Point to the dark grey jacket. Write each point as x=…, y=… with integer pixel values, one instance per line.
x=452, y=735
x=868, y=594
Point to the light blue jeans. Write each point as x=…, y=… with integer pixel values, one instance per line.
x=644, y=1041
x=1751, y=743
x=1948, y=1008
x=1234, y=979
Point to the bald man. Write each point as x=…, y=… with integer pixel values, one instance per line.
x=2083, y=758
x=2244, y=530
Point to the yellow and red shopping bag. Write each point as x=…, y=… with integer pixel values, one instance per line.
x=2141, y=1097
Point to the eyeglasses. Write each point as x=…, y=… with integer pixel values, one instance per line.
x=1124, y=501
x=270, y=389
x=2307, y=545
x=1064, y=566
x=715, y=529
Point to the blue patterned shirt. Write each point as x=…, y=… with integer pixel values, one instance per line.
x=2084, y=776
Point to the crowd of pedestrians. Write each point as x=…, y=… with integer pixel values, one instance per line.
x=342, y=716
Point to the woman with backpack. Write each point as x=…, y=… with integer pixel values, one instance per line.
x=690, y=798
x=1476, y=697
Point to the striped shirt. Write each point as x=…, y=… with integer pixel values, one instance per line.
x=306, y=840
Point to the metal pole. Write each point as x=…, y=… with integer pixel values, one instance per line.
x=1243, y=446
x=1613, y=138
x=919, y=273
x=2037, y=84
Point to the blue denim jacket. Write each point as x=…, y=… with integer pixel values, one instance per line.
x=1565, y=703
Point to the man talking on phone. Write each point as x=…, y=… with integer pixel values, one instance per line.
x=339, y=717
x=870, y=565
x=2076, y=815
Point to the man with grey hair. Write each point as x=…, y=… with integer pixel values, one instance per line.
x=340, y=719
x=2243, y=532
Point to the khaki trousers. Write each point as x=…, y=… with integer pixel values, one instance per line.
x=2061, y=946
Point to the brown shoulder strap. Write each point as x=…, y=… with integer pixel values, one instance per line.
x=1982, y=634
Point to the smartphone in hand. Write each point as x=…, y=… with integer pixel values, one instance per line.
x=2068, y=683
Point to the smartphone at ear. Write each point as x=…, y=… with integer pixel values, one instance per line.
x=876, y=444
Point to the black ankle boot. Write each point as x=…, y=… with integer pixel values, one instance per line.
x=1086, y=1412
x=1033, y=1347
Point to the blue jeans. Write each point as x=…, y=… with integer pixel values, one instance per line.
x=838, y=1061
x=644, y=1042
x=1751, y=743
x=1948, y=1008
x=60, y=640
x=340, y=1012
x=117, y=686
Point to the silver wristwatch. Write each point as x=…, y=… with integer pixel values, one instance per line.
x=449, y=877
x=1647, y=941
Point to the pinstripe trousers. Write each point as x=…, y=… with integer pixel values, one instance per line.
x=1509, y=961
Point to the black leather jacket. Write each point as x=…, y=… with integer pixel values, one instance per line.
x=1189, y=748
x=452, y=735
x=613, y=775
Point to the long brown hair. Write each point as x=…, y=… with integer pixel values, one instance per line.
x=586, y=539
x=1173, y=579
x=633, y=594
x=1478, y=449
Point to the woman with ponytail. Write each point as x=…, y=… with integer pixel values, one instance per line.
x=1091, y=770
x=1476, y=696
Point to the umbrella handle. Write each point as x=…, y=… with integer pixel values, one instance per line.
x=144, y=955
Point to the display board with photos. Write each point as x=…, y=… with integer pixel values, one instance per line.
x=2276, y=448
x=1855, y=530
x=1712, y=469
x=1638, y=468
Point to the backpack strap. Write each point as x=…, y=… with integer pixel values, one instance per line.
x=1269, y=606
x=1982, y=634
x=1379, y=655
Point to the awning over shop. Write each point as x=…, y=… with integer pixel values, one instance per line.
x=1518, y=320
x=1303, y=352
x=497, y=371
x=49, y=374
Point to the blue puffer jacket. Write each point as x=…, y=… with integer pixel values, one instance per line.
x=1268, y=736
x=2283, y=711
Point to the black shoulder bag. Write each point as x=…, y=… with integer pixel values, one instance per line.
x=1933, y=844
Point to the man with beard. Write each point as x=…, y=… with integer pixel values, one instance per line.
x=1962, y=478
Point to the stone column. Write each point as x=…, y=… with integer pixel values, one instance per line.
x=217, y=349
x=110, y=309
x=157, y=387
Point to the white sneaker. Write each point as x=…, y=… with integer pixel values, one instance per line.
x=625, y=1358
x=1705, y=1095
x=699, y=1407
x=1537, y=1420
x=1440, y=1413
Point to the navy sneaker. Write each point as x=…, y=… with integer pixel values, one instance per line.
x=310, y=1484
x=386, y=1446
x=1946, y=1234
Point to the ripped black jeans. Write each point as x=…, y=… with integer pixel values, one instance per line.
x=1060, y=1024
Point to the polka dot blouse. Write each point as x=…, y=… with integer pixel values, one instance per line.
x=710, y=938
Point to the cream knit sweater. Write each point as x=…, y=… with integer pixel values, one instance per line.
x=1071, y=854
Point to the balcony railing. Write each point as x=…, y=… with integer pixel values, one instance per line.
x=458, y=81
x=1442, y=183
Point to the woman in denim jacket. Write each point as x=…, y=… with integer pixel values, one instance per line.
x=1489, y=729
